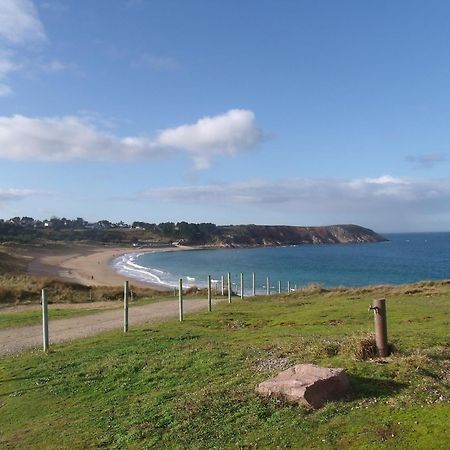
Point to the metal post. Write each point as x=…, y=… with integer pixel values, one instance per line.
x=222, y=283
x=289, y=287
x=44, y=320
x=209, y=294
x=254, y=284
x=242, y=285
x=180, y=298
x=125, y=306
x=229, y=286
x=279, y=287
x=379, y=309
x=268, y=286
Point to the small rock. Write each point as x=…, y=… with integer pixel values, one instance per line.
x=307, y=384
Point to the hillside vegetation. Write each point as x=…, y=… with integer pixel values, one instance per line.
x=27, y=230
x=191, y=384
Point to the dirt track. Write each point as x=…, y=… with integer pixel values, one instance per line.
x=17, y=340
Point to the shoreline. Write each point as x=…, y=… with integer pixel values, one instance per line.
x=90, y=265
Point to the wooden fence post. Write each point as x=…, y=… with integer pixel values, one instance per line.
x=242, y=285
x=254, y=284
x=229, y=286
x=125, y=306
x=45, y=341
x=209, y=294
x=180, y=298
x=268, y=286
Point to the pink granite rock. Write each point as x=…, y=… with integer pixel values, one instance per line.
x=307, y=384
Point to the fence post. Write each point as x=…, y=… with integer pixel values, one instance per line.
x=379, y=309
x=125, y=306
x=254, y=284
x=209, y=294
x=222, y=283
x=279, y=286
x=44, y=320
x=289, y=287
x=242, y=286
x=229, y=286
x=268, y=286
x=180, y=298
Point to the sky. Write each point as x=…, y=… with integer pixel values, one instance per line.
x=260, y=111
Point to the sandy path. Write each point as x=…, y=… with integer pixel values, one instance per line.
x=16, y=340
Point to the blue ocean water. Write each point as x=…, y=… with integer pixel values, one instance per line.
x=405, y=258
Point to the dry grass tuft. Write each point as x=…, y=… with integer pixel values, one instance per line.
x=362, y=346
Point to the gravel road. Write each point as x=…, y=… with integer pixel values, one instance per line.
x=17, y=340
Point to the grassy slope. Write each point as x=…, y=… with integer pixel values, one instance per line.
x=192, y=384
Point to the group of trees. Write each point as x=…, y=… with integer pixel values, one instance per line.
x=27, y=229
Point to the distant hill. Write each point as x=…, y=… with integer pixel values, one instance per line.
x=276, y=235
x=142, y=234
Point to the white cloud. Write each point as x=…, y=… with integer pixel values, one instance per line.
x=19, y=22
x=228, y=133
x=66, y=138
x=76, y=138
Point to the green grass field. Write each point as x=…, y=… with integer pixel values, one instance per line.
x=191, y=384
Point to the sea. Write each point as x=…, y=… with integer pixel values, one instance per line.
x=404, y=258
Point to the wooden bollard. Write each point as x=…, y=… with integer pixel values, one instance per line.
x=209, y=294
x=44, y=302
x=242, y=285
x=180, y=299
x=380, y=317
x=222, y=284
x=125, y=306
x=268, y=286
x=279, y=287
x=229, y=286
x=254, y=284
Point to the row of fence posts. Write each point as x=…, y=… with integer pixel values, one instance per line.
x=378, y=306
x=229, y=290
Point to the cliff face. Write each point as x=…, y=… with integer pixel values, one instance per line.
x=274, y=235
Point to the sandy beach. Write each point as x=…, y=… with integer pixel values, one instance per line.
x=88, y=265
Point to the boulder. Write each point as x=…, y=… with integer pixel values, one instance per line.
x=307, y=384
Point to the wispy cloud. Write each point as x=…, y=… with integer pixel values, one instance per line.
x=158, y=63
x=56, y=65
x=328, y=195
x=428, y=160
x=20, y=27
x=20, y=23
x=5, y=90
x=11, y=194
x=76, y=138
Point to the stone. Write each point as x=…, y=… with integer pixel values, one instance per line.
x=307, y=384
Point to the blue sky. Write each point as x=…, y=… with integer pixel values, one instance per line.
x=269, y=112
